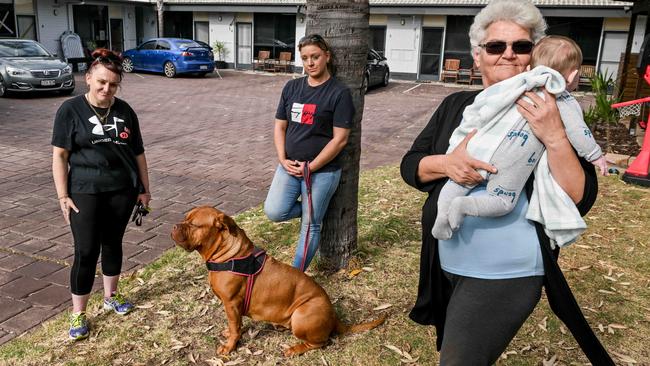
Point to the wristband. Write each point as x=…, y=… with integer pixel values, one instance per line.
x=62, y=197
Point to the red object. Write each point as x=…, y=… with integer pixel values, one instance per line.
x=639, y=166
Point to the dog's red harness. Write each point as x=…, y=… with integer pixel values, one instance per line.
x=248, y=266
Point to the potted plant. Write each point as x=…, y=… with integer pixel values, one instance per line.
x=220, y=51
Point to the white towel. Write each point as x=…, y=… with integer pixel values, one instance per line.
x=493, y=114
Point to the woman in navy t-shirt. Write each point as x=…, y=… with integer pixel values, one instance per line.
x=312, y=125
x=100, y=172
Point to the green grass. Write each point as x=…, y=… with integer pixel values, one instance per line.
x=179, y=320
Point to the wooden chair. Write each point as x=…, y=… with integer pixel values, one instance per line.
x=450, y=70
x=587, y=72
x=464, y=76
x=261, y=60
x=476, y=75
x=284, y=62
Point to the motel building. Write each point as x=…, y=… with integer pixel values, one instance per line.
x=416, y=36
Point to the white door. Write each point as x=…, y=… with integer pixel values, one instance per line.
x=201, y=31
x=613, y=45
x=244, y=45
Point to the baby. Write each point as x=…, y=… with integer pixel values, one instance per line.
x=514, y=149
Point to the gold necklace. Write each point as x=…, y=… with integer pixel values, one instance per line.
x=102, y=119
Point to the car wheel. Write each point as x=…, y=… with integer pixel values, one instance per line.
x=364, y=84
x=127, y=65
x=170, y=69
x=3, y=90
x=202, y=74
x=386, y=77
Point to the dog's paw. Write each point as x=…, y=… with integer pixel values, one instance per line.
x=224, y=350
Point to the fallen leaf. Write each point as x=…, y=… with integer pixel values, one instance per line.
x=368, y=269
x=382, y=307
x=324, y=361
x=214, y=362
x=549, y=362
x=394, y=349
x=258, y=352
x=238, y=361
x=617, y=326
x=144, y=306
x=624, y=358
x=414, y=360
x=190, y=357
x=253, y=333
x=354, y=272
x=208, y=328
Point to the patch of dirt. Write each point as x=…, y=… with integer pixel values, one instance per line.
x=620, y=140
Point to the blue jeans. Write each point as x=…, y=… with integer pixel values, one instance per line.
x=282, y=204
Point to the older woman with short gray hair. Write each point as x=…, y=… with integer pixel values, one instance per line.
x=479, y=287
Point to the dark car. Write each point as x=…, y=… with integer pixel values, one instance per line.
x=171, y=56
x=377, y=72
x=26, y=66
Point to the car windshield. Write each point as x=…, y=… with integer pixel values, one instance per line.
x=186, y=44
x=22, y=49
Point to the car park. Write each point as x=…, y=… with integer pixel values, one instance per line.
x=171, y=56
x=26, y=66
x=377, y=71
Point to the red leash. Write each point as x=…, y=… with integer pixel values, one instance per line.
x=306, y=173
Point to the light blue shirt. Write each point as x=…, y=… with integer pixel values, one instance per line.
x=494, y=247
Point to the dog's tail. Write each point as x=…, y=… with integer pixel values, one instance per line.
x=356, y=328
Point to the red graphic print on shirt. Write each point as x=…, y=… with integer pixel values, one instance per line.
x=303, y=113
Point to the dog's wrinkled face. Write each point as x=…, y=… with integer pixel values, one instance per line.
x=202, y=226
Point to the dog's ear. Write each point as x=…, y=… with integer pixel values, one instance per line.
x=225, y=222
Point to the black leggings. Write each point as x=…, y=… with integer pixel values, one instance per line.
x=484, y=315
x=99, y=226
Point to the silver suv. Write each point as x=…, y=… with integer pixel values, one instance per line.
x=26, y=66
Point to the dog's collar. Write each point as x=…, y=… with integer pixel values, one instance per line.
x=249, y=265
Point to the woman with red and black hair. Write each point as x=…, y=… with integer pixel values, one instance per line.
x=100, y=173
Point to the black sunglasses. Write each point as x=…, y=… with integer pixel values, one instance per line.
x=110, y=60
x=522, y=47
x=314, y=38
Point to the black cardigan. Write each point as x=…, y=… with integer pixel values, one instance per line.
x=433, y=289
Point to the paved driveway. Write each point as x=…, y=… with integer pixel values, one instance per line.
x=208, y=141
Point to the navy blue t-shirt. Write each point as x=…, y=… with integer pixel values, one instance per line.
x=102, y=157
x=312, y=113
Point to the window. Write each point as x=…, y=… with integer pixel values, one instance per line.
x=377, y=39
x=582, y=31
x=457, y=40
x=148, y=45
x=163, y=45
x=7, y=25
x=26, y=26
x=275, y=33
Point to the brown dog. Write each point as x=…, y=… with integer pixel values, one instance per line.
x=281, y=295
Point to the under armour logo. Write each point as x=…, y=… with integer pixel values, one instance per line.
x=97, y=128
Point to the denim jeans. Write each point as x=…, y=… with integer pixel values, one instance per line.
x=282, y=204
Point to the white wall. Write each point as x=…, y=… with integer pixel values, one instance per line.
x=403, y=43
x=50, y=26
x=223, y=30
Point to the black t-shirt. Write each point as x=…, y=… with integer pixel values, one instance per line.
x=102, y=157
x=312, y=113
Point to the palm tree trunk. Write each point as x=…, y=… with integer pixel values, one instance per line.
x=159, y=8
x=344, y=24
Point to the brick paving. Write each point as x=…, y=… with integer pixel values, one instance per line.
x=208, y=141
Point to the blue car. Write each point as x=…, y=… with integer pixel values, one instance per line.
x=171, y=56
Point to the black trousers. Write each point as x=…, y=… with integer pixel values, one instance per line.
x=484, y=315
x=98, y=228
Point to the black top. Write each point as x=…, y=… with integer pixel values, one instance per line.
x=434, y=289
x=312, y=113
x=102, y=157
